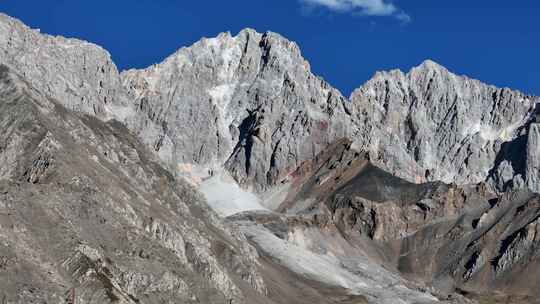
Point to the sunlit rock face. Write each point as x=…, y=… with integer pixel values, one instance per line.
x=78, y=74
x=252, y=105
x=432, y=125
x=249, y=103
x=533, y=158
x=84, y=206
x=450, y=237
x=403, y=192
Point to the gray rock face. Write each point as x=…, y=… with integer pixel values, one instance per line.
x=431, y=125
x=79, y=74
x=249, y=102
x=533, y=158
x=85, y=207
x=126, y=229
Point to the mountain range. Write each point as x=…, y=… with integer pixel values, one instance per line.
x=230, y=173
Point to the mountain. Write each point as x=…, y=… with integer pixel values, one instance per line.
x=78, y=74
x=85, y=207
x=229, y=173
x=247, y=103
x=463, y=238
x=432, y=125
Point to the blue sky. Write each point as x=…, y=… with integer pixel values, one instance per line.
x=346, y=41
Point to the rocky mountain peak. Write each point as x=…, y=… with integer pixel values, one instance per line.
x=420, y=166
x=236, y=100
x=79, y=74
x=430, y=65
x=431, y=124
x=250, y=103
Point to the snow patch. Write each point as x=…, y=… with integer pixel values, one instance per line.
x=222, y=96
x=222, y=93
x=212, y=42
x=230, y=56
x=488, y=133
x=315, y=113
x=118, y=112
x=226, y=197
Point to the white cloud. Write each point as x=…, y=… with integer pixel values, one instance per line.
x=363, y=7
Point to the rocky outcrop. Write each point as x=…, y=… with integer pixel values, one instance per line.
x=533, y=158
x=88, y=214
x=78, y=74
x=432, y=125
x=247, y=102
x=417, y=172
x=85, y=209
x=452, y=237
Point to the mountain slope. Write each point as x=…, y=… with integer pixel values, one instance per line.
x=78, y=74
x=88, y=213
x=83, y=206
x=451, y=237
x=249, y=103
x=432, y=125
x=345, y=201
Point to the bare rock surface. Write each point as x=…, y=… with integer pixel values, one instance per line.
x=85, y=207
x=416, y=189
x=533, y=158
x=248, y=102
x=78, y=74
x=321, y=254
x=88, y=214
x=463, y=239
x=433, y=125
